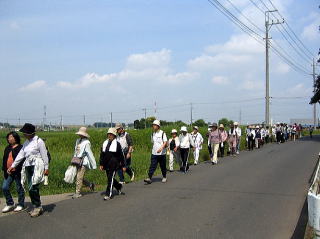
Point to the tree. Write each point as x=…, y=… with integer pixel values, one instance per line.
x=225, y=122
x=200, y=123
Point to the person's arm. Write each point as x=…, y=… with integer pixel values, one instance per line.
x=130, y=145
x=192, y=144
x=164, y=145
x=43, y=153
x=90, y=155
x=121, y=156
x=20, y=157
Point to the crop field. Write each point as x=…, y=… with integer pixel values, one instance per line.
x=61, y=147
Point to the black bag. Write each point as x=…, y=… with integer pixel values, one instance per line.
x=172, y=144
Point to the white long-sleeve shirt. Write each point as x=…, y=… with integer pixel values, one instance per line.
x=186, y=141
x=31, y=149
x=197, y=140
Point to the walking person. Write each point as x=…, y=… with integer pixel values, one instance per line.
x=198, y=141
x=126, y=142
x=9, y=155
x=215, y=140
x=310, y=131
x=209, y=145
x=258, y=137
x=278, y=131
x=174, y=150
x=267, y=134
x=35, y=165
x=111, y=160
x=83, y=150
x=251, y=137
x=224, y=136
x=238, y=136
x=186, y=143
x=294, y=132
x=158, y=155
x=232, y=138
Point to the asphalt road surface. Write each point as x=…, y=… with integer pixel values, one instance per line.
x=259, y=194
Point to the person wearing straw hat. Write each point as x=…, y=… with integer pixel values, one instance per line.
x=198, y=141
x=174, y=151
x=238, y=136
x=186, y=142
x=83, y=150
x=224, y=136
x=232, y=139
x=35, y=166
x=112, y=160
x=215, y=140
x=158, y=155
x=125, y=140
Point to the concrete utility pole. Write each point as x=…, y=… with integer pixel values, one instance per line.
x=61, y=127
x=44, y=116
x=111, y=120
x=191, y=119
x=84, y=120
x=315, y=123
x=268, y=27
x=145, y=117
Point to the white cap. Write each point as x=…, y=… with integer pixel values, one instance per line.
x=235, y=123
x=156, y=122
x=174, y=131
x=196, y=127
x=112, y=131
x=184, y=129
x=257, y=127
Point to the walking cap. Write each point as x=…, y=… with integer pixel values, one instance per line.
x=112, y=131
x=156, y=122
x=28, y=129
x=174, y=131
x=184, y=129
x=196, y=127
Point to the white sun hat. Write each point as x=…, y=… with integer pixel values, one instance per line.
x=112, y=131
x=184, y=129
x=174, y=131
x=156, y=122
x=235, y=123
x=83, y=132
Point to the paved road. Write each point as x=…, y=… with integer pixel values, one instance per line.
x=257, y=195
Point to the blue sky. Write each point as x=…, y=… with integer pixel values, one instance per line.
x=95, y=57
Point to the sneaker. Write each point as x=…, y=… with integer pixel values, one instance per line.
x=238, y=152
x=92, y=187
x=171, y=171
x=7, y=209
x=76, y=195
x=164, y=180
x=18, y=208
x=107, y=198
x=36, y=212
x=121, y=182
x=132, y=177
x=148, y=181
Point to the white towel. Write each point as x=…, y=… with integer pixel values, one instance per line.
x=113, y=146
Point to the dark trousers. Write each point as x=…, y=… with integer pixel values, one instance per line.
x=6, y=189
x=128, y=170
x=155, y=160
x=279, y=136
x=267, y=139
x=221, y=150
x=210, y=150
x=112, y=182
x=250, y=142
x=184, y=158
x=34, y=190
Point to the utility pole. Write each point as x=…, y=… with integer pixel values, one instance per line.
x=84, y=120
x=61, y=127
x=145, y=117
x=268, y=27
x=44, y=116
x=111, y=120
x=314, y=91
x=191, y=109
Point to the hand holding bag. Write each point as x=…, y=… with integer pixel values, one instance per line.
x=78, y=161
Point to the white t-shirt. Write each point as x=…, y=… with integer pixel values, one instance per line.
x=158, y=139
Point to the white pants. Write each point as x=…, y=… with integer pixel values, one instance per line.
x=174, y=156
x=214, y=148
x=196, y=154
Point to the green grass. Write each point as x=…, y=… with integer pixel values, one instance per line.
x=61, y=146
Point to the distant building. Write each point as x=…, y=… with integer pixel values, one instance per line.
x=303, y=122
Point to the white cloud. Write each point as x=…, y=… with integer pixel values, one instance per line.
x=220, y=80
x=34, y=86
x=299, y=90
x=311, y=30
x=14, y=26
x=252, y=85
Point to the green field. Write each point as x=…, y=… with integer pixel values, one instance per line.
x=61, y=146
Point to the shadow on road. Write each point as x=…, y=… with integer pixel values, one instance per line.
x=49, y=208
x=315, y=138
x=302, y=222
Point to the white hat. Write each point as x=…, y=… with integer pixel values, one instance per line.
x=156, y=122
x=196, y=127
x=184, y=129
x=257, y=127
x=83, y=132
x=112, y=131
x=235, y=123
x=174, y=131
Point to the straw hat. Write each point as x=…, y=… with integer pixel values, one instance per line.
x=221, y=126
x=112, y=131
x=83, y=132
x=119, y=126
x=156, y=122
x=184, y=129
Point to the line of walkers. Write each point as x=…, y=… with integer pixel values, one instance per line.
x=29, y=163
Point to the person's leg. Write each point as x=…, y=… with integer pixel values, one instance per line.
x=153, y=165
x=120, y=174
x=128, y=167
x=163, y=166
x=34, y=190
x=171, y=158
x=177, y=157
x=20, y=190
x=184, y=156
x=238, y=145
x=210, y=151
x=6, y=190
x=80, y=181
x=215, y=153
x=110, y=177
x=196, y=154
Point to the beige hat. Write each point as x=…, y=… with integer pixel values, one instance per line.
x=184, y=129
x=196, y=127
x=83, y=132
x=221, y=126
x=119, y=126
x=174, y=131
x=156, y=122
x=235, y=123
x=112, y=131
